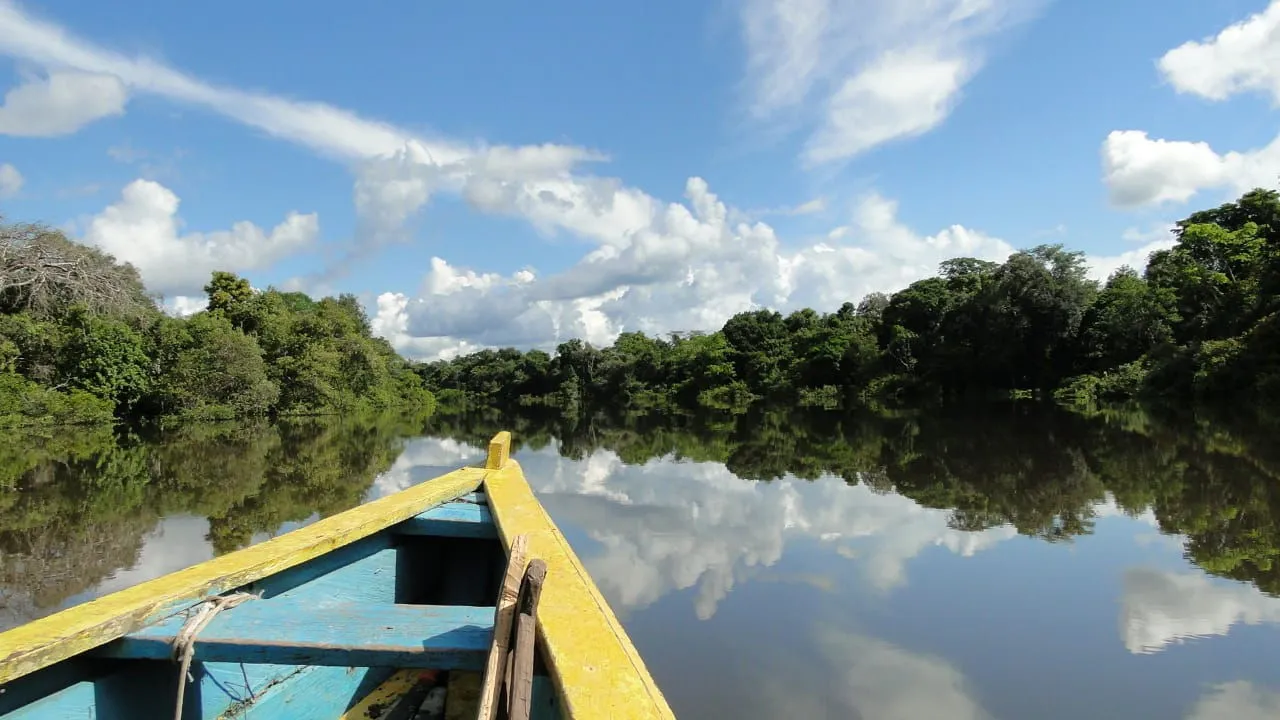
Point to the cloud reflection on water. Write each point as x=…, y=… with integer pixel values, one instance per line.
x=1159, y=608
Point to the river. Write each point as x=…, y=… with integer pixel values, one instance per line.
x=1002, y=562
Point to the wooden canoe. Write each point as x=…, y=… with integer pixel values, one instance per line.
x=348, y=618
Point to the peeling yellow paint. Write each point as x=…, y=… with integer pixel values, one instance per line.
x=596, y=669
x=376, y=703
x=42, y=642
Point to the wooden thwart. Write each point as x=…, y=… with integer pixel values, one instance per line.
x=356, y=634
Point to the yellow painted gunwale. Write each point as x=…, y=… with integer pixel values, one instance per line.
x=597, y=671
x=45, y=641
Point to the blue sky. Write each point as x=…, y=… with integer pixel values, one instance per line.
x=508, y=173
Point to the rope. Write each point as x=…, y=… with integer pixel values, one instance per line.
x=184, y=643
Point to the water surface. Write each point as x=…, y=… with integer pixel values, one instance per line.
x=1004, y=563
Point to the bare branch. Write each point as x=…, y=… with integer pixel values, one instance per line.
x=43, y=272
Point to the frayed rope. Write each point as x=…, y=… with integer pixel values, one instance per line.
x=184, y=643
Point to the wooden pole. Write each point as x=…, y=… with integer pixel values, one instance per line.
x=520, y=694
x=503, y=621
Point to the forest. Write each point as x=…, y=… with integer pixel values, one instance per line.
x=1201, y=322
x=82, y=341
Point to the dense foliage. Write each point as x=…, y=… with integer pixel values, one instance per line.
x=1202, y=321
x=82, y=341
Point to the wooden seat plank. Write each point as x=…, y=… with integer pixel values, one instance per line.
x=455, y=519
x=348, y=634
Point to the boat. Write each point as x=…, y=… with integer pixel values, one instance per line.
x=454, y=598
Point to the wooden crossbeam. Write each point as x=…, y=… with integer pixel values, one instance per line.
x=455, y=519
x=349, y=634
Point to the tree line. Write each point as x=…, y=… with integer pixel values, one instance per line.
x=1201, y=321
x=81, y=340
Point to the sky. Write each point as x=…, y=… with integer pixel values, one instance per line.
x=489, y=174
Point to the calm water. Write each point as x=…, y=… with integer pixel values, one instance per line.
x=1009, y=563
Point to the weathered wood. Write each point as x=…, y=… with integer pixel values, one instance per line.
x=312, y=692
x=522, y=670
x=499, y=451
x=350, y=635
x=531, y=591
x=521, y=691
x=454, y=519
x=363, y=570
x=502, y=623
x=42, y=642
x=477, y=497
x=598, y=671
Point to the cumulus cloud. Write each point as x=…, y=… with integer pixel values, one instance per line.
x=881, y=70
x=423, y=459
x=142, y=228
x=1141, y=171
x=652, y=265
x=11, y=181
x=666, y=526
x=184, y=305
x=1160, y=608
x=1101, y=267
x=1244, y=57
x=61, y=103
x=874, y=679
x=682, y=266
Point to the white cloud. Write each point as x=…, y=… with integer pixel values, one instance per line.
x=665, y=525
x=679, y=267
x=1244, y=57
x=654, y=266
x=423, y=459
x=1101, y=267
x=1238, y=700
x=61, y=103
x=142, y=228
x=397, y=170
x=815, y=205
x=901, y=95
x=184, y=305
x=885, y=70
x=11, y=181
x=873, y=679
x=1160, y=608
x=1141, y=171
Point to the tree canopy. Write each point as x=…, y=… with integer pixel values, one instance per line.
x=82, y=341
x=1201, y=321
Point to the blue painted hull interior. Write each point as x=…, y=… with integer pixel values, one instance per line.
x=320, y=637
